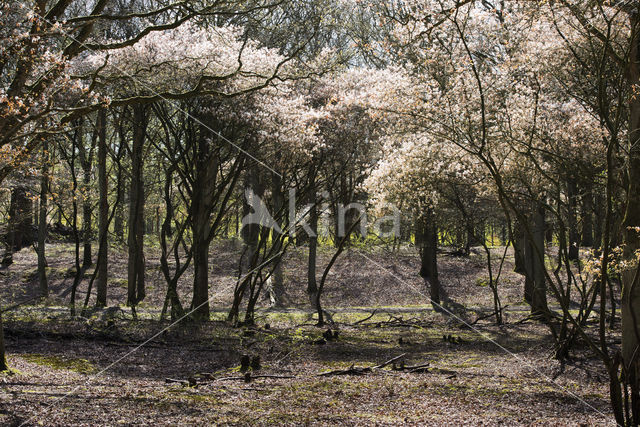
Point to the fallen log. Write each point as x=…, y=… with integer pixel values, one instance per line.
x=353, y=370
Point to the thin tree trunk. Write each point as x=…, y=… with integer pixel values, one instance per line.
x=429, y=257
x=86, y=229
x=118, y=221
x=527, y=261
x=200, y=303
x=598, y=215
x=312, y=286
x=572, y=220
x=539, y=300
x=136, y=288
x=587, y=218
x=278, y=206
x=86, y=160
x=42, y=222
x=340, y=248
x=517, y=234
x=3, y=356
x=101, y=285
x=630, y=309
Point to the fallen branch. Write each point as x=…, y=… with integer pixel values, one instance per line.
x=399, y=321
x=389, y=362
x=207, y=378
x=353, y=370
x=191, y=382
x=253, y=377
x=412, y=369
x=365, y=319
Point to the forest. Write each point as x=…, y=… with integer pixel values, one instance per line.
x=319, y=212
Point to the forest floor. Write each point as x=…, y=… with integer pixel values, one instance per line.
x=106, y=371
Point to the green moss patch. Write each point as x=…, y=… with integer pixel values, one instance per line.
x=82, y=366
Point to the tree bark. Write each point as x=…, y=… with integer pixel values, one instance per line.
x=587, y=218
x=202, y=204
x=86, y=228
x=527, y=261
x=539, y=300
x=20, y=222
x=280, y=216
x=3, y=356
x=86, y=160
x=312, y=286
x=518, y=248
x=200, y=302
x=103, y=224
x=572, y=220
x=428, y=242
x=136, y=288
x=118, y=221
x=598, y=215
x=42, y=222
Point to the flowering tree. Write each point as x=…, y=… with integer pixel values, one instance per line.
x=62, y=60
x=501, y=83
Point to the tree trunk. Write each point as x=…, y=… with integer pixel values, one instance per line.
x=280, y=216
x=202, y=204
x=312, y=286
x=136, y=289
x=86, y=160
x=86, y=227
x=103, y=219
x=42, y=222
x=630, y=287
x=539, y=303
x=200, y=302
x=587, y=218
x=572, y=220
x=518, y=247
x=598, y=215
x=250, y=235
x=527, y=264
x=3, y=355
x=20, y=222
x=428, y=243
x=201, y=214
x=118, y=220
